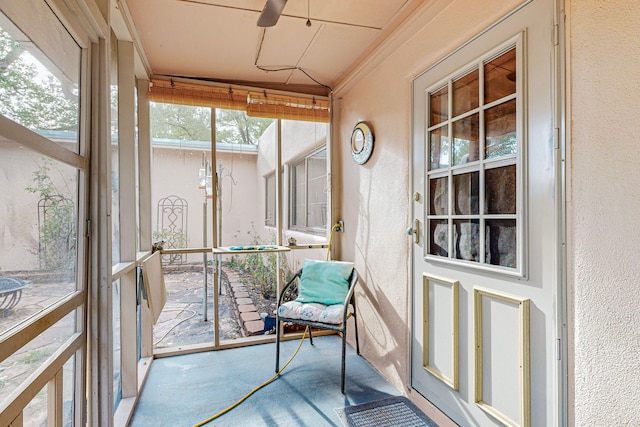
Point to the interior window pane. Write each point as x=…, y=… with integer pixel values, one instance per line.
x=467, y=237
x=439, y=148
x=38, y=91
x=439, y=237
x=299, y=212
x=465, y=93
x=438, y=192
x=38, y=223
x=317, y=190
x=305, y=162
x=501, y=242
x=466, y=188
x=500, y=77
x=270, y=200
x=439, y=106
x=465, y=140
x=500, y=190
x=500, y=130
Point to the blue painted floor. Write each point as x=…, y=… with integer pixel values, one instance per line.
x=185, y=390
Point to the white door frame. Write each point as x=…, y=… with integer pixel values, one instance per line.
x=559, y=125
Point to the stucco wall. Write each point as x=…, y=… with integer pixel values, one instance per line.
x=19, y=232
x=604, y=54
x=175, y=172
x=376, y=196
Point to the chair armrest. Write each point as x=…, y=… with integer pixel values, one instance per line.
x=353, y=280
x=287, y=286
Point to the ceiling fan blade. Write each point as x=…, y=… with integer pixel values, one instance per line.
x=271, y=13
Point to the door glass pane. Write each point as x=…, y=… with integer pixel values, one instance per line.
x=438, y=193
x=500, y=77
x=40, y=90
x=439, y=106
x=501, y=242
x=439, y=237
x=500, y=130
x=439, y=148
x=467, y=235
x=465, y=93
x=38, y=223
x=465, y=140
x=500, y=190
x=466, y=187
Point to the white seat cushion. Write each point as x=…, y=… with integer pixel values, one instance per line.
x=314, y=312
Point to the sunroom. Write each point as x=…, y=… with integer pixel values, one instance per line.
x=167, y=165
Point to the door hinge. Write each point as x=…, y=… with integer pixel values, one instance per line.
x=556, y=35
x=88, y=234
x=558, y=349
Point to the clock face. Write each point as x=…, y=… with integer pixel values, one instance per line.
x=361, y=143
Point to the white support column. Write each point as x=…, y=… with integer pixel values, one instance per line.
x=335, y=158
x=144, y=166
x=214, y=231
x=144, y=208
x=127, y=192
x=100, y=342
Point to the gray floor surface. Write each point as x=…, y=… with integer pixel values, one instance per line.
x=185, y=390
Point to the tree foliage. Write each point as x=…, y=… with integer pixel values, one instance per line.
x=31, y=97
x=235, y=127
x=57, y=228
x=194, y=123
x=38, y=100
x=180, y=122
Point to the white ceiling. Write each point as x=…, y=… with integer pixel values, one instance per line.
x=219, y=39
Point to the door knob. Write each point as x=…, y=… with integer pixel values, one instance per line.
x=415, y=230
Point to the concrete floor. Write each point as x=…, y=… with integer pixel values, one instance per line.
x=185, y=390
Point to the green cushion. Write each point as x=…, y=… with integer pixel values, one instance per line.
x=324, y=282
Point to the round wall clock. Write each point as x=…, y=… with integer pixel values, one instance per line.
x=361, y=143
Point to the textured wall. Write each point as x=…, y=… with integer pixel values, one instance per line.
x=375, y=196
x=603, y=209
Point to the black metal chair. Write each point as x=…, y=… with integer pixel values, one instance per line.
x=287, y=294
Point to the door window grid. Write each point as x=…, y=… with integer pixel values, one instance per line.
x=472, y=158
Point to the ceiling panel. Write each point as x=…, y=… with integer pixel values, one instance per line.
x=219, y=39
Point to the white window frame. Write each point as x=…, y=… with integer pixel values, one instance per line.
x=270, y=193
x=292, y=192
x=50, y=373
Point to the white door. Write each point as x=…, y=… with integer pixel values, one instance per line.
x=486, y=254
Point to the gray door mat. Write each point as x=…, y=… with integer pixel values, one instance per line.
x=389, y=412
